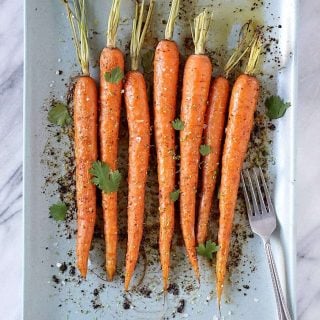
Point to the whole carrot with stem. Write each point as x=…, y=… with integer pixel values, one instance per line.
x=111, y=75
x=195, y=91
x=136, y=100
x=214, y=132
x=85, y=131
x=243, y=103
x=165, y=84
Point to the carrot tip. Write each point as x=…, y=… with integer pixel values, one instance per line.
x=165, y=292
x=165, y=297
x=110, y=276
x=197, y=272
x=83, y=271
x=219, y=309
x=110, y=273
x=126, y=284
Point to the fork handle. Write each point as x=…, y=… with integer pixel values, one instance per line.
x=283, y=310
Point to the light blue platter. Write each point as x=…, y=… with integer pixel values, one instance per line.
x=53, y=294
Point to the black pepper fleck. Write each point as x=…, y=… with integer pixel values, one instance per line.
x=63, y=267
x=55, y=279
x=181, y=306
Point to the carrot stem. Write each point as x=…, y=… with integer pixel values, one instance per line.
x=113, y=23
x=200, y=31
x=78, y=22
x=247, y=36
x=254, y=54
x=172, y=19
x=139, y=32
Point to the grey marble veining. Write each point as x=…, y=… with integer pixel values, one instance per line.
x=11, y=237
x=308, y=155
x=308, y=169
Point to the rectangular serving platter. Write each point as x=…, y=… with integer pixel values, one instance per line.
x=50, y=291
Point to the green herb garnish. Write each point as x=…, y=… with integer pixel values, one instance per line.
x=276, y=107
x=205, y=149
x=174, y=195
x=59, y=114
x=114, y=76
x=177, y=124
x=206, y=250
x=105, y=179
x=58, y=211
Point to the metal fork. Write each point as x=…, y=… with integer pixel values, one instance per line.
x=263, y=222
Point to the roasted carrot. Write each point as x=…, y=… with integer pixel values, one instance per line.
x=85, y=128
x=111, y=74
x=214, y=132
x=213, y=135
x=165, y=83
x=196, y=84
x=136, y=101
x=243, y=103
x=85, y=102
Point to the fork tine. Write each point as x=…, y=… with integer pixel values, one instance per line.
x=246, y=196
x=266, y=191
x=253, y=194
x=262, y=204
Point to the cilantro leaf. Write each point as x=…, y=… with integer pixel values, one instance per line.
x=59, y=114
x=205, y=149
x=206, y=250
x=147, y=61
x=276, y=107
x=177, y=124
x=58, y=211
x=174, y=195
x=105, y=179
x=114, y=76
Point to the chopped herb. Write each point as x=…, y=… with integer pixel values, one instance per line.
x=276, y=107
x=58, y=211
x=59, y=114
x=147, y=61
x=105, y=179
x=114, y=76
x=174, y=195
x=177, y=124
x=205, y=149
x=208, y=249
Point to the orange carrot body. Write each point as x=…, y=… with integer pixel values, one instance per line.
x=110, y=107
x=85, y=126
x=136, y=101
x=243, y=103
x=195, y=91
x=214, y=131
x=166, y=70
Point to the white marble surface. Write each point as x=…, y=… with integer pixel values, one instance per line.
x=11, y=232
x=308, y=159
x=308, y=156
